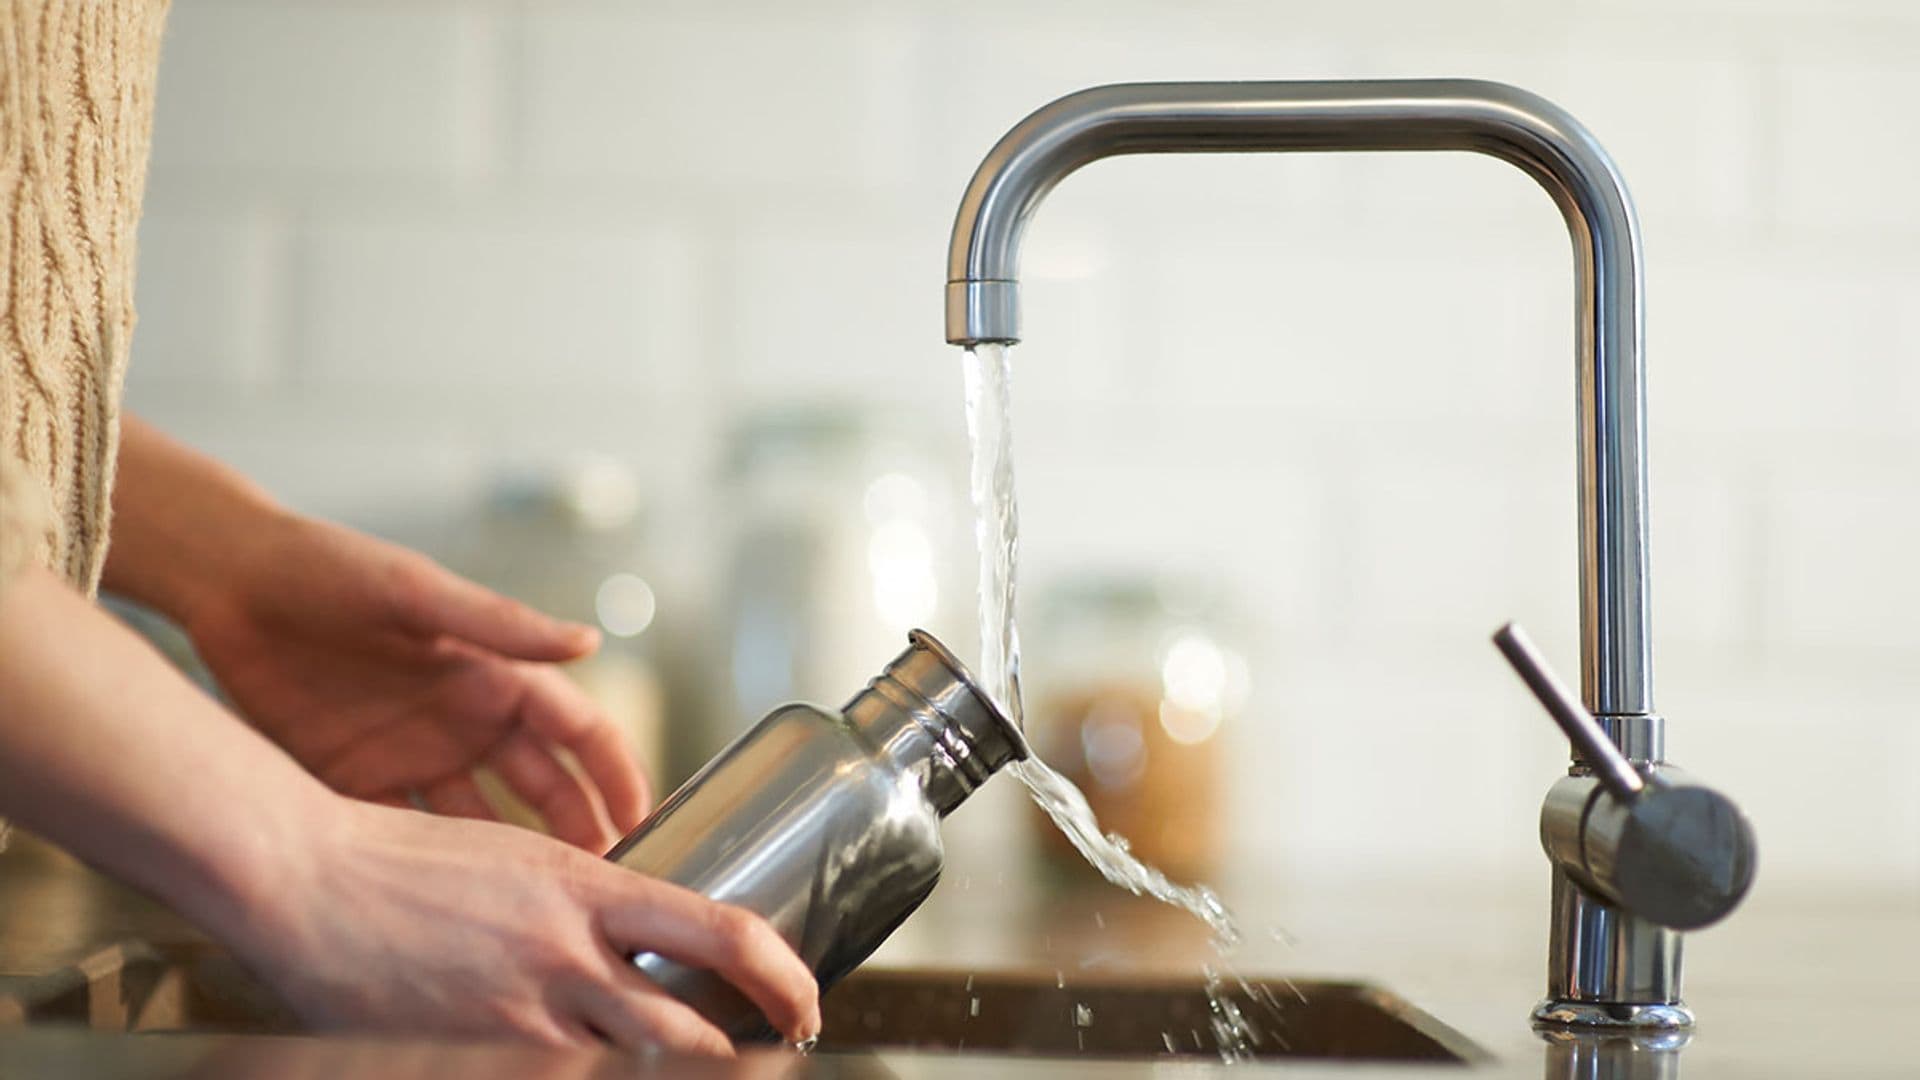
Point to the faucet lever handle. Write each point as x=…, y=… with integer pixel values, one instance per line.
x=1608, y=763
x=1677, y=853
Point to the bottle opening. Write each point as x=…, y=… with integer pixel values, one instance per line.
x=991, y=726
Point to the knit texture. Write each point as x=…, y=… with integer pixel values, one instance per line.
x=76, y=116
x=24, y=518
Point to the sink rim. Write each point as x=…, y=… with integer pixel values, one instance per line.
x=1387, y=1002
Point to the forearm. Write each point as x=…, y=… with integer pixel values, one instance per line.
x=109, y=752
x=181, y=521
x=357, y=914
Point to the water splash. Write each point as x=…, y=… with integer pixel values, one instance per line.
x=1108, y=852
x=989, y=386
x=1233, y=1036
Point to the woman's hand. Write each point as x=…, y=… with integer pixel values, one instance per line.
x=388, y=676
x=400, y=921
x=385, y=675
x=361, y=915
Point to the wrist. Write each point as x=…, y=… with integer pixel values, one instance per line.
x=186, y=529
x=216, y=573
x=248, y=882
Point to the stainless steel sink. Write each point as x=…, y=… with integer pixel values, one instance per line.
x=1130, y=1018
x=137, y=987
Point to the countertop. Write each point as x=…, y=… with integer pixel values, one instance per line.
x=1795, y=984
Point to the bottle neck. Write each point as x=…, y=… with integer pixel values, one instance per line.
x=926, y=714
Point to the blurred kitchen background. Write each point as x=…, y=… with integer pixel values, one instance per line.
x=634, y=310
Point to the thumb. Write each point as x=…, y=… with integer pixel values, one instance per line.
x=432, y=601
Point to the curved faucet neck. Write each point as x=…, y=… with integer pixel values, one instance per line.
x=1414, y=115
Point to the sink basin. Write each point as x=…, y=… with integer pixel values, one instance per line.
x=136, y=987
x=1131, y=1018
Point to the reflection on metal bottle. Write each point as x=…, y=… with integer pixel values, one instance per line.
x=825, y=822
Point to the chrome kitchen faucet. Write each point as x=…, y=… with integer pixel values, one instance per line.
x=1622, y=858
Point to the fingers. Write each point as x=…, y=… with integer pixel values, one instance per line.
x=572, y=811
x=648, y=915
x=556, y=708
x=431, y=601
x=409, y=752
x=635, y=1015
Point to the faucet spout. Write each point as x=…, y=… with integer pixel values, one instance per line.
x=982, y=303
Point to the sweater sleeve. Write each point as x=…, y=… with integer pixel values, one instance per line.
x=24, y=519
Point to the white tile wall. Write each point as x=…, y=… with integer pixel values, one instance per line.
x=747, y=95
x=392, y=247
x=218, y=313
x=310, y=93
x=564, y=302
x=1833, y=105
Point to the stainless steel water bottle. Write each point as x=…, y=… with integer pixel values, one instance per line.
x=826, y=823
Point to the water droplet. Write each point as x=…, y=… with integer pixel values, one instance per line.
x=806, y=1045
x=973, y=1006
x=1082, y=1015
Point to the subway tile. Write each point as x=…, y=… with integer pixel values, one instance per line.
x=406, y=455
x=989, y=74
x=836, y=308
x=1434, y=548
x=772, y=99
x=1094, y=499
x=1324, y=780
x=1705, y=557
x=501, y=302
x=1775, y=734
x=1847, y=141
x=1773, y=345
x=211, y=295
x=1686, y=124
x=1842, y=578
x=369, y=458
x=1361, y=327
x=298, y=95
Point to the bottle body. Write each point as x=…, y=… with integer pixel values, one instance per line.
x=795, y=823
x=826, y=823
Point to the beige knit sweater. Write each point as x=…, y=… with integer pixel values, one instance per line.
x=76, y=115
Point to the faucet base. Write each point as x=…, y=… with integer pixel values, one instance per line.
x=1552, y=1013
